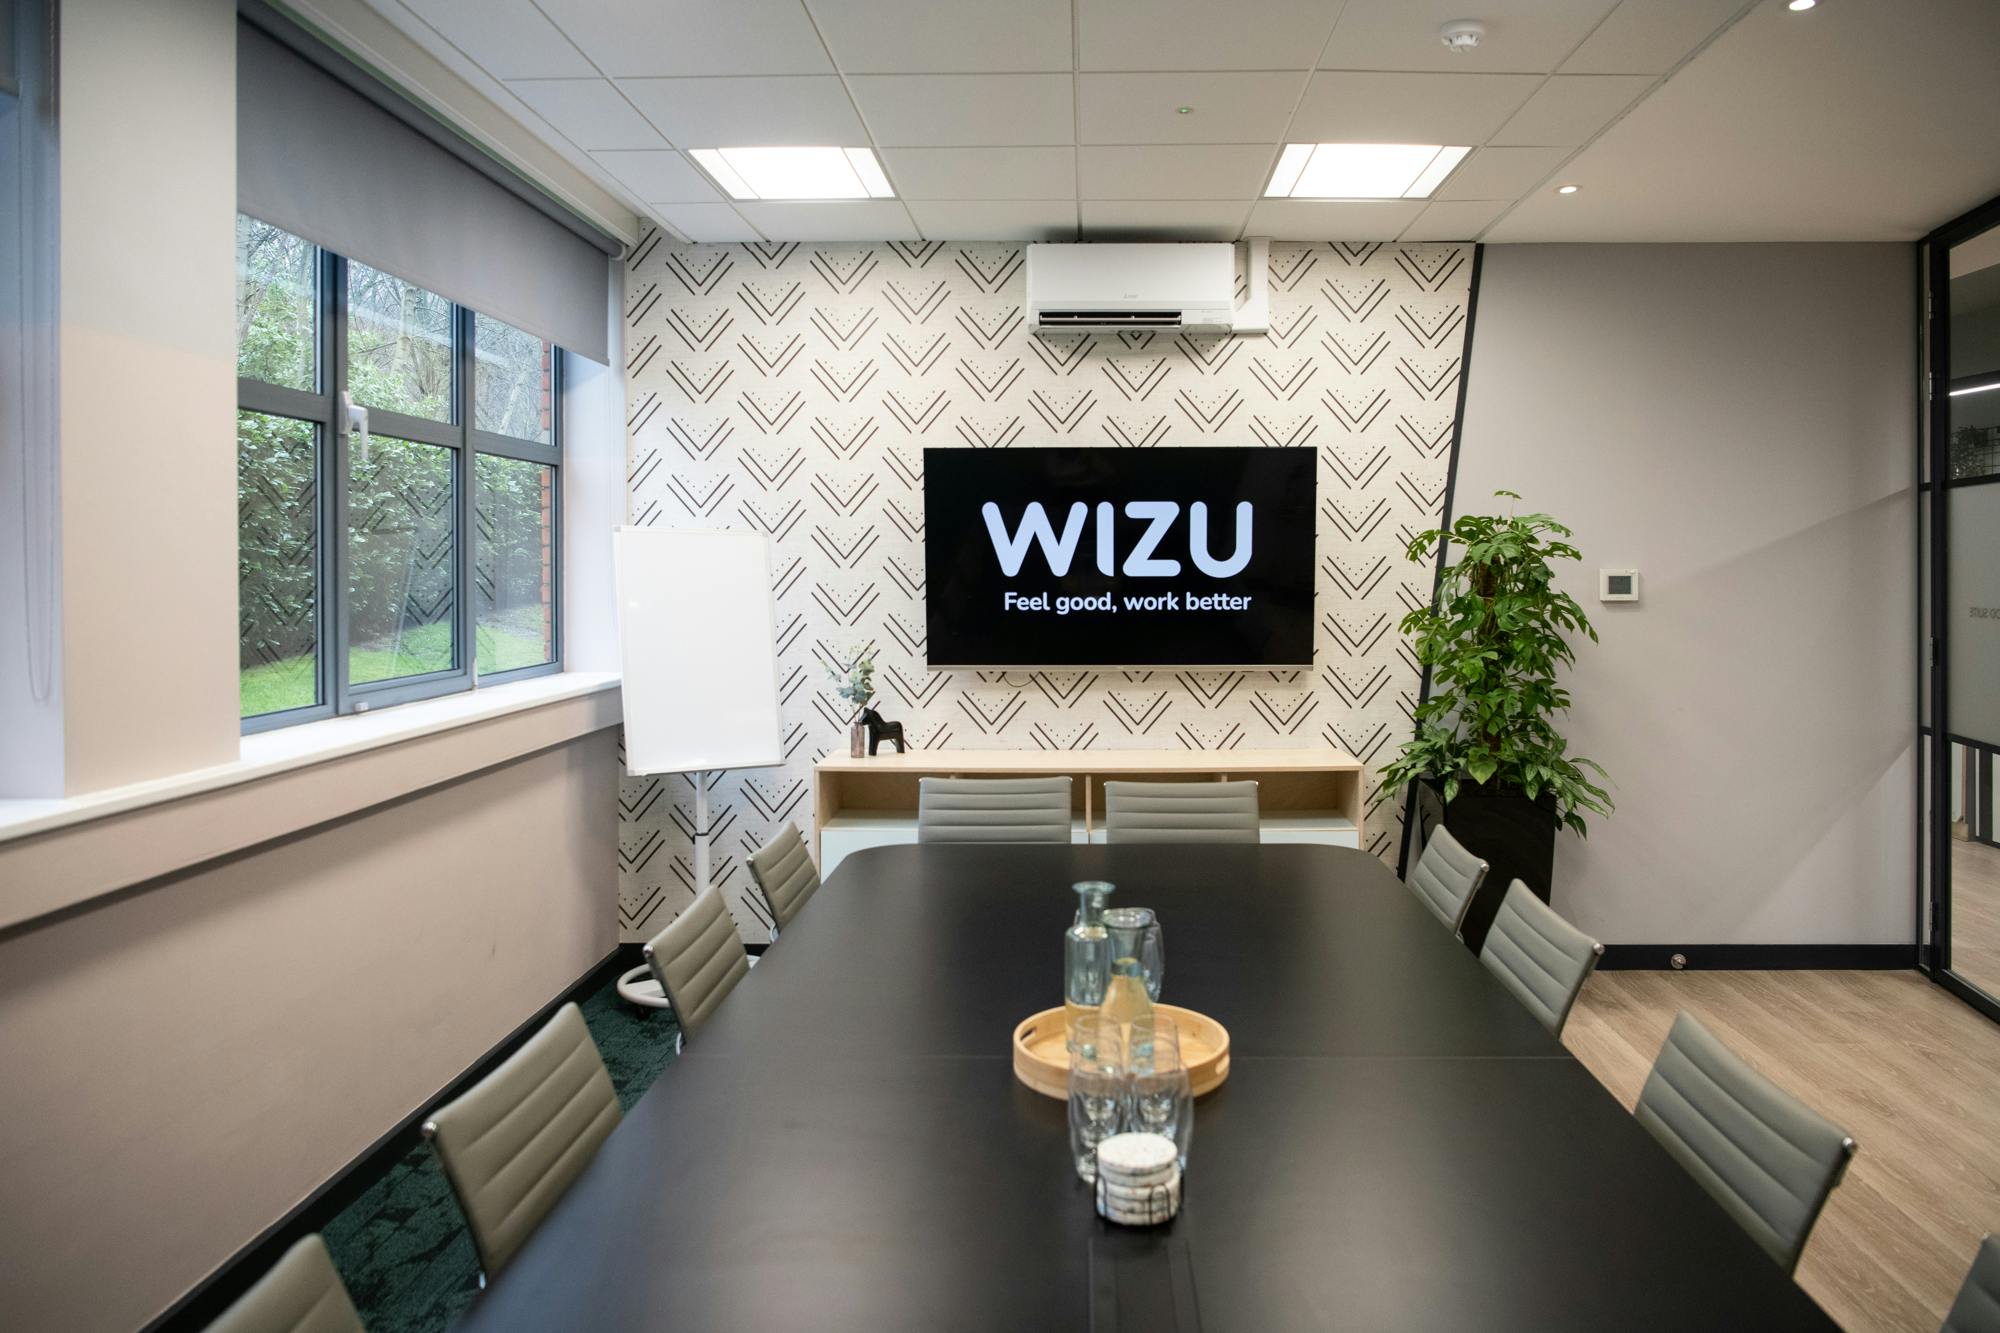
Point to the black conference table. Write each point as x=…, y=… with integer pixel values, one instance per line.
x=1398, y=1146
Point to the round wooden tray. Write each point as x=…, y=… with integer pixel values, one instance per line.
x=1041, y=1056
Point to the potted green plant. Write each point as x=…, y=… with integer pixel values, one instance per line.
x=1487, y=755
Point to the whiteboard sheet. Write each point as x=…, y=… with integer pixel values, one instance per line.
x=697, y=636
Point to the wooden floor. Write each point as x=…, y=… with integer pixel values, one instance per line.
x=1910, y=1072
x=1975, y=913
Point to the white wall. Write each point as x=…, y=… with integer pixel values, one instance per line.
x=1736, y=421
x=148, y=388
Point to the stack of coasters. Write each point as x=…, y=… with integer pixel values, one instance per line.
x=1138, y=1179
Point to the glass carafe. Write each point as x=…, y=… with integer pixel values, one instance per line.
x=1135, y=933
x=1086, y=956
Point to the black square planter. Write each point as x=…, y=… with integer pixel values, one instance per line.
x=1515, y=836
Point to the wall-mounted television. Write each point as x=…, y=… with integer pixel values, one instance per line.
x=1170, y=557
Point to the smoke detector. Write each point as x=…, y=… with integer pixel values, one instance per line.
x=1462, y=35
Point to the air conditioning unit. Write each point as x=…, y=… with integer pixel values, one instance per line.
x=1190, y=286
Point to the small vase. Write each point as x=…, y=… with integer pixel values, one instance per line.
x=857, y=740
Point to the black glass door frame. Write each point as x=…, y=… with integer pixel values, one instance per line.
x=1936, y=741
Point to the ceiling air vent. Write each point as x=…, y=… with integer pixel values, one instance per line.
x=1108, y=319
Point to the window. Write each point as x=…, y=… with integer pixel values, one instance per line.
x=403, y=562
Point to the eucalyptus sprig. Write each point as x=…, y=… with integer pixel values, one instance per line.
x=1493, y=640
x=856, y=683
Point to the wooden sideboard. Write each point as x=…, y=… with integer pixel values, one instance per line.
x=1308, y=795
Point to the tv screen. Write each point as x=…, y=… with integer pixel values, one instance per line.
x=1196, y=557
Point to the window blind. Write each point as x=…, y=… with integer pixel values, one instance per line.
x=327, y=151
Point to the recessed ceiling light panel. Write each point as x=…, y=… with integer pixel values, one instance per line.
x=1566, y=189
x=1362, y=170
x=1801, y=6
x=795, y=173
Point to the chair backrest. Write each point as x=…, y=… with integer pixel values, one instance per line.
x=1977, y=1309
x=785, y=874
x=698, y=958
x=1768, y=1158
x=1539, y=956
x=1180, y=812
x=301, y=1294
x=514, y=1143
x=1446, y=876
x=993, y=810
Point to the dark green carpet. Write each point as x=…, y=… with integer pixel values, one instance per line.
x=402, y=1246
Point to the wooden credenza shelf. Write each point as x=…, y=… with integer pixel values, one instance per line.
x=1308, y=795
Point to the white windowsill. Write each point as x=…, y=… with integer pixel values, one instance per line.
x=270, y=752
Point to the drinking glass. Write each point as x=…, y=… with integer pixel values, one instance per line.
x=1136, y=933
x=1159, y=1095
x=1096, y=1089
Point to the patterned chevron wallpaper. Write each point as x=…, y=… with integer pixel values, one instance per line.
x=793, y=388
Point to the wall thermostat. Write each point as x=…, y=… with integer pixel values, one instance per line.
x=1617, y=585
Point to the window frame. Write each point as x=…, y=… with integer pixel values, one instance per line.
x=337, y=694
x=528, y=451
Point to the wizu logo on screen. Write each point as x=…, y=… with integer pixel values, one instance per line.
x=1140, y=562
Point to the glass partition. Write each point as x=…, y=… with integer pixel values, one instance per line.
x=1961, y=590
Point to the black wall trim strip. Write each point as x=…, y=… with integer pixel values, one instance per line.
x=1758, y=957
x=1450, y=499
x=214, y=1293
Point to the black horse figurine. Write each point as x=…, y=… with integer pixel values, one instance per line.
x=879, y=731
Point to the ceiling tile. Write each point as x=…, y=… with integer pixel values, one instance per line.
x=1332, y=220
x=1570, y=108
x=641, y=38
x=746, y=112
x=946, y=110
x=588, y=112
x=659, y=177
x=1408, y=108
x=945, y=36
x=1228, y=108
x=509, y=38
x=1180, y=171
x=1854, y=122
x=1200, y=34
x=1649, y=36
x=1500, y=173
x=1162, y=219
x=995, y=220
x=982, y=173
x=1456, y=221
x=836, y=220
x=1527, y=36
x=705, y=222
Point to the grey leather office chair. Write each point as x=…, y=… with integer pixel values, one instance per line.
x=1539, y=956
x=698, y=958
x=785, y=874
x=1977, y=1309
x=513, y=1144
x=993, y=810
x=1768, y=1158
x=1445, y=877
x=1180, y=812
x=301, y=1294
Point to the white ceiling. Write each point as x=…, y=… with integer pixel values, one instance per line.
x=1681, y=120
